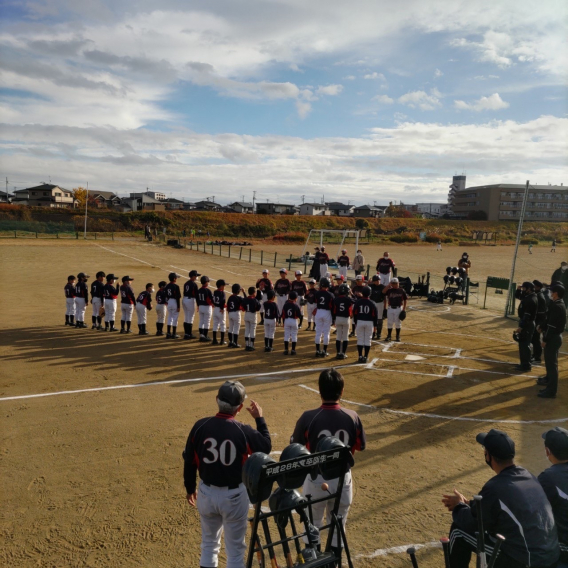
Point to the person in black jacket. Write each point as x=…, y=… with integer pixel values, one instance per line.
x=513, y=505
x=540, y=320
x=552, y=340
x=560, y=276
x=527, y=315
x=554, y=481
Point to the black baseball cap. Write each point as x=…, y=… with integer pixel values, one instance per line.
x=497, y=443
x=127, y=278
x=556, y=440
x=232, y=392
x=82, y=275
x=111, y=276
x=538, y=284
x=194, y=273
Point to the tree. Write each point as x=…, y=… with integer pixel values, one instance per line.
x=477, y=216
x=362, y=224
x=80, y=195
x=397, y=211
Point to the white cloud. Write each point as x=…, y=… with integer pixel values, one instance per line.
x=330, y=90
x=303, y=108
x=383, y=99
x=493, y=102
x=437, y=73
x=349, y=78
x=421, y=100
x=375, y=75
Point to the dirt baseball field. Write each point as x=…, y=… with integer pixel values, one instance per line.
x=93, y=425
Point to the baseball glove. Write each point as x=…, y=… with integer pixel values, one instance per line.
x=402, y=315
x=259, y=295
x=385, y=314
x=303, y=301
x=101, y=312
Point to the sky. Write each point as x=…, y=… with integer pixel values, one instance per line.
x=361, y=102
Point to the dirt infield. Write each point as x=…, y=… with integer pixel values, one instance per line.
x=94, y=478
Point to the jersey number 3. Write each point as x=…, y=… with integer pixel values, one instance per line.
x=226, y=453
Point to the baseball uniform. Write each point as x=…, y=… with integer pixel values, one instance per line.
x=323, y=318
x=343, y=262
x=205, y=306
x=264, y=284
x=290, y=315
x=69, y=291
x=342, y=312
x=554, y=481
x=97, y=302
x=189, y=299
x=299, y=286
x=234, y=308
x=219, y=312
x=385, y=266
x=143, y=304
x=324, y=263
x=81, y=301
x=377, y=296
x=110, y=294
x=365, y=316
x=330, y=419
x=127, y=303
x=271, y=315
x=161, y=308
x=282, y=288
x=251, y=306
x=173, y=294
x=395, y=298
x=311, y=305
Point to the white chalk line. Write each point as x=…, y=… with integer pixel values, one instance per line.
x=399, y=549
x=441, y=416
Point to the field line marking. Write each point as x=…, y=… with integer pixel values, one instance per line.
x=372, y=363
x=399, y=549
x=457, y=353
x=441, y=416
x=450, y=372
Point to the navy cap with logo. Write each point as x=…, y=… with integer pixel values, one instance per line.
x=232, y=392
x=556, y=440
x=194, y=273
x=497, y=443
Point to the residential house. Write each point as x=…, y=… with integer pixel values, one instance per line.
x=275, y=209
x=314, y=209
x=242, y=207
x=143, y=203
x=369, y=211
x=104, y=199
x=339, y=209
x=172, y=203
x=431, y=210
x=6, y=197
x=207, y=206
x=45, y=195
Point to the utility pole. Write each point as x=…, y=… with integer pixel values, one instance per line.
x=7, y=190
x=86, y=205
x=253, y=200
x=303, y=198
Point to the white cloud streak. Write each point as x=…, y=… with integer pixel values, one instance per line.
x=493, y=102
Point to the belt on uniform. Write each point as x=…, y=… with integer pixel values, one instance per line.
x=233, y=486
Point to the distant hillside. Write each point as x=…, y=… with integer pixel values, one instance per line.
x=230, y=225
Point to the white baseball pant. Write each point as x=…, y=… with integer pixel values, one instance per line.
x=364, y=332
x=141, y=313
x=280, y=301
x=311, y=308
x=269, y=328
x=323, y=326
x=250, y=325
x=323, y=269
x=439, y=247
x=173, y=313
x=80, y=309
x=161, y=313
x=342, y=325
x=314, y=489
x=126, y=312
x=97, y=305
x=291, y=330
x=343, y=271
x=221, y=509
x=392, y=317
x=205, y=314
x=188, y=309
x=219, y=321
x=110, y=309
x=69, y=306
x=234, y=322
x=385, y=278
x=264, y=299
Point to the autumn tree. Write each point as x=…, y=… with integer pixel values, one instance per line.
x=80, y=195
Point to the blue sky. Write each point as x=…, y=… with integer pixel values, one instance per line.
x=363, y=101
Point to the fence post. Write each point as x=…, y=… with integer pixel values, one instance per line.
x=229, y=251
x=241, y=253
x=250, y=255
x=368, y=270
x=112, y=235
x=428, y=281
x=290, y=264
x=95, y=236
x=306, y=263
x=36, y=234
x=212, y=248
x=261, y=257
x=77, y=233
x=275, y=256
x=15, y=234
x=467, y=291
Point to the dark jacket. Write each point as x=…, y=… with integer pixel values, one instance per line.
x=555, y=320
x=554, y=481
x=527, y=310
x=541, y=310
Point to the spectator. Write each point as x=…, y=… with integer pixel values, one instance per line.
x=554, y=481
x=560, y=276
x=513, y=505
x=359, y=263
x=527, y=311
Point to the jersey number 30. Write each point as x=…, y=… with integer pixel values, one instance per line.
x=226, y=453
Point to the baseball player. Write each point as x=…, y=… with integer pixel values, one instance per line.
x=395, y=305
x=97, y=300
x=271, y=316
x=217, y=447
x=299, y=286
x=189, y=297
x=553, y=249
x=143, y=304
x=339, y=280
x=385, y=267
x=205, y=304
x=69, y=290
x=378, y=297
x=315, y=271
x=161, y=307
x=219, y=311
x=343, y=263
x=173, y=294
x=110, y=294
x=330, y=419
x=342, y=312
x=282, y=288
x=311, y=304
x=324, y=317
x=263, y=284
x=357, y=293
x=290, y=315
x=81, y=299
x=324, y=262
x=251, y=306
x=439, y=245
x=365, y=317
x=234, y=308
x=127, y=303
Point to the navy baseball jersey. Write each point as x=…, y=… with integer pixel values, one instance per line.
x=190, y=289
x=219, y=299
x=161, y=297
x=299, y=286
x=282, y=286
x=251, y=305
x=173, y=292
x=127, y=295
x=323, y=258
x=110, y=292
x=145, y=298
x=396, y=297
x=342, y=307
x=343, y=260
x=364, y=310
x=264, y=284
x=97, y=289
x=554, y=481
x=291, y=310
x=377, y=293
x=357, y=290
x=311, y=295
x=69, y=290
x=324, y=300
x=271, y=310
x=234, y=303
x=385, y=265
x=81, y=290
x=330, y=419
x=218, y=447
x=204, y=297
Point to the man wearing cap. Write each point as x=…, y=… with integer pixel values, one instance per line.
x=394, y=304
x=527, y=311
x=552, y=340
x=315, y=271
x=385, y=268
x=189, y=301
x=323, y=262
x=282, y=288
x=299, y=286
x=513, y=504
x=554, y=481
x=217, y=447
x=81, y=299
x=127, y=303
x=343, y=263
x=560, y=276
x=263, y=285
x=540, y=321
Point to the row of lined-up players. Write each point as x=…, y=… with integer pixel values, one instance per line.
x=360, y=308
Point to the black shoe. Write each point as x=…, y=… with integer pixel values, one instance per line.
x=99, y=328
x=319, y=353
x=130, y=331
x=536, y=361
x=388, y=338
x=543, y=381
x=206, y=339
x=286, y=352
x=397, y=339
x=214, y=342
x=545, y=394
x=360, y=360
x=252, y=348
x=190, y=336
x=324, y=354
x=378, y=338
x=351, y=334
x=113, y=329
x=93, y=326
x=267, y=349
x=176, y=336
x=293, y=352
x=222, y=343
x=364, y=359
x=236, y=346
x=522, y=369
x=159, y=333
x=186, y=337
x=338, y=356
x=145, y=333
x=122, y=331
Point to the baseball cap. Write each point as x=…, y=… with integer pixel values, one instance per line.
x=394, y=281
x=359, y=277
x=312, y=281
x=265, y=271
x=556, y=440
x=194, y=273
x=283, y=270
x=299, y=273
x=82, y=275
x=497, y=443
x=563, y=263
x=538, y=283
x=376, y=278
x=528, y=285
x=232, y=392
x=127, y=278
x=220, y=283
x=111, y=276
x=338, y=277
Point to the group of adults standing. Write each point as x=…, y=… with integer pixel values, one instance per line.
x=320, y=266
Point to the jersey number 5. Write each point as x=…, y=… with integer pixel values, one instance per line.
x=226, y=453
